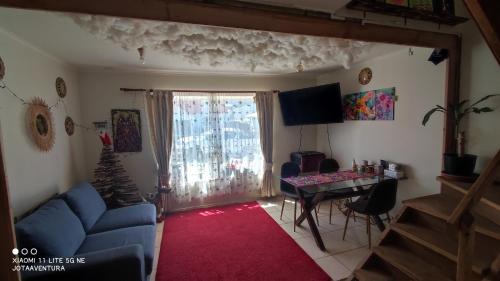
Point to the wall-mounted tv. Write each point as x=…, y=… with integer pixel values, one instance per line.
x=315, y=105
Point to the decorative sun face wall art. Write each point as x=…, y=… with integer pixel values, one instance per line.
x=370, y=105
x=40, y=124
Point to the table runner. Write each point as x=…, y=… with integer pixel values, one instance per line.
x=302, y=181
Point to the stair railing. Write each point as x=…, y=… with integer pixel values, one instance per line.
x=463, y=217
x=494, y=270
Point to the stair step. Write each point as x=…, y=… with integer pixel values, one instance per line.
x=372, y=275
x=437, y=242
x=491, y=195
x=409, y=264
x=437, y=205
x=442, y=205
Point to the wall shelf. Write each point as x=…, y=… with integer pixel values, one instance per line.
x=405, y=12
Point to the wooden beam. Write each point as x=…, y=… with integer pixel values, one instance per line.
x=485, y=14
x=451, y=97
x=244, y=15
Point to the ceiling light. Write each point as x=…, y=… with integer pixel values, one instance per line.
x=300, y=67
x=142, y=55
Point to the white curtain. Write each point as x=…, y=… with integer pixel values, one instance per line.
x=216, y=146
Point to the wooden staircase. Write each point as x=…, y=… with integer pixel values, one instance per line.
x=453, y=235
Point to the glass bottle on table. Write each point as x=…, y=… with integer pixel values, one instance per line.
x=354, y=165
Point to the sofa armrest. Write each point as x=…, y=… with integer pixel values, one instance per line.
x=117, y=264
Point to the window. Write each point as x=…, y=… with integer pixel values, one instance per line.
x=216, y=145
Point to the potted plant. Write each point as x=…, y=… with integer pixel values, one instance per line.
x=459, y=163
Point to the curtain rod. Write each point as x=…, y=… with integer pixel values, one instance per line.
x=187, y=91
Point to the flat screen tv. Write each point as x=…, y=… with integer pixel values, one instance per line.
x=315, y=105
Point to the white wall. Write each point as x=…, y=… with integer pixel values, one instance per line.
x=32, y=175
x=419, y=86
x=101, y=93
x=480, y=75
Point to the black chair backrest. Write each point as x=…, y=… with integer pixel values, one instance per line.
x=288, y=169
x=382, y=197
x=328, y=166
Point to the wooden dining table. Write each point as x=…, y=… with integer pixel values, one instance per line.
x=312, y=189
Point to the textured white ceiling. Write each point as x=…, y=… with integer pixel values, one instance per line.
x=248, y=50
x=97, y=41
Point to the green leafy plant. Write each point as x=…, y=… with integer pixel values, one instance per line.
x=459, y=111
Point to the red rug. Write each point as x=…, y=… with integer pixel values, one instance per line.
x=236, y=242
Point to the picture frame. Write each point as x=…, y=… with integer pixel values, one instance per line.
x=126, y=126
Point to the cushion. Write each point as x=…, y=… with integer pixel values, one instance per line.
x=87, y=204
x=137, y=235
x=54, y=230
x=135, y=215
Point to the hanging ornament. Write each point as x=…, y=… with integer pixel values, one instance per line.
x=40, y=124
x=60, y=87
x=2, y=69
x=69, y=126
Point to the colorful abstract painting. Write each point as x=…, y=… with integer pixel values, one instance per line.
x=126, y=130
x=384, y=104
x=370, y=105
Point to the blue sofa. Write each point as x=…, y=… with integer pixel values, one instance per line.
x=117, y=244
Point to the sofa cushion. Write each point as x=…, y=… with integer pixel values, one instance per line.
x=137, y=235
x=87, y=204
x=54, y=230
x=135, y=215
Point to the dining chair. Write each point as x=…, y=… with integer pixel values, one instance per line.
x=291, y=169
x=380, y=200
x=331, y=165
x=328, y=165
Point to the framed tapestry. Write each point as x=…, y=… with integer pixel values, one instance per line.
x=370, y=105
x=126, y=130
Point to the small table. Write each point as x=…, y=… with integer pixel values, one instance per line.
x=320, y=185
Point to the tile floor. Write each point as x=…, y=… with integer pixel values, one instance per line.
x=340, y=257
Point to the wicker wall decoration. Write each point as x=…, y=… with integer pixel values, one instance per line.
x=40, y=124
x=60, y=87
x=69, y=125
x=2, y=69
x=365, y=76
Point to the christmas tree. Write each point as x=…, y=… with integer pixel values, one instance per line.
x=111, y=180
